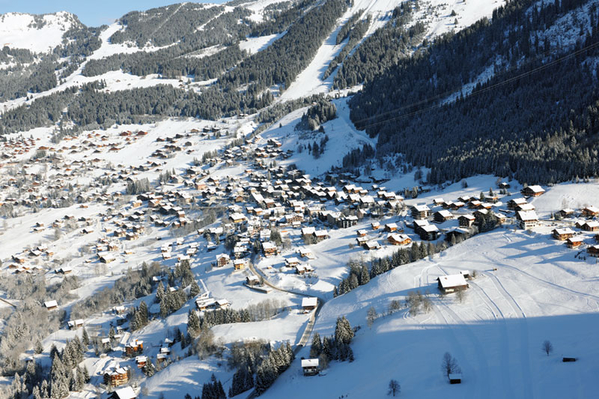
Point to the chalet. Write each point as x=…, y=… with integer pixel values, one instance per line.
x=362, y=233
x=309, y=304
x=74, y=324
x=106, y=258
x=398, y=239
x=303, y=269
x=455, y=378
x=306, y=253
x=420, y=211
x=516, y=202
x=574, y=242
x=117, y=376
x=593, y=250
x=567, y=212
x=454, y=206
x=237, y=218
x=525, y=207
x=452, y=283
x=590, y=211
x=239, y=264
x=123, y=393
x=291, y=262
x=532, y=191
x=269, y=249
x=562, y=234
x=141, y=361
x=371, y=245
x=310, y=366
x=50, y=305
x=439, y=201
x=375, y=225
x=429, y=232
x=391, y=227
x=253, y=281
x=466, y=220
x=222, y=260
x=527, y=219
x=442, y=216
x=591, y=226
x=456, y=233
x=134, y=348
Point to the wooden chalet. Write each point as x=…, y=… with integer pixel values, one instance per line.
x=252, y=281
x=420, y=211
x=516, y=202
x=141, y=361
x=591, y=226
x=310, y=366
x=574, y=242
x=593, y=250
x=398, y=239
x=74, y=324
x=222, y=260
x=562, y=234
x=51, y=305
x=303, y=269
x=134, y=348
x=590, y=211
x=269, y=249
x=527, y=219
x=442, y=216
x=532, y=191
x=466, y=220
x=309, y=304
x=239, y=264
x=371, y=245
x=455, y=378
x=391, y=227
x=117, y=376
x=451, y=283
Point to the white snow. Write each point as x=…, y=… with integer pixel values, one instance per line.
x=17, y=30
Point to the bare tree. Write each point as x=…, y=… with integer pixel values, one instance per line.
x=394, y=388
x=461, y=295
x=547, y=347
x=371, y=316
x=449, y=365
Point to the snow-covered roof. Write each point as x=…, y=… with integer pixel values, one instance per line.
x=536, y=189
x=50, y=304
x=564, y=231
x=527, y=216
x=309, y=302
x=309, y=363
x=452, y=280
x=430, y=228
x=125, y=393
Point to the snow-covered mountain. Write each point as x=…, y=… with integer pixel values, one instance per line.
x=197, y=157
x=37, y=33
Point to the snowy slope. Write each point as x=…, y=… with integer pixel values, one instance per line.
x=19, y=31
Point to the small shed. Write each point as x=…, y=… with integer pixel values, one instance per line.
x=455, y=378
x=50, y=305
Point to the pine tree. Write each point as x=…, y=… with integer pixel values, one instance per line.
x=39, y=348
x=85, y=338
x=193, y=324
x=160, y=292
x=316, y=347
x=195, y=289
x=343, y=331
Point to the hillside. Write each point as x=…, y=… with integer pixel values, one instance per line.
x=198, y=198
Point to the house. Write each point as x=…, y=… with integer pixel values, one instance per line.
x=310, y=366
x=141, y=361
x=117, y=376
x=455, y=378
x=398, y=239
x=452, y=283
x=269, y=249
x=291, y=262
x=391, y=227
x=428, y=232
x=514, y=203
x=527, y=219
x=591, y=226
x=222, y=260
x=562, y=234
x=375, y=225
x=420, y=211
x=466, y=220
x=574, y=242
x=123, y=393
x=593, y=250
x=74, y=324
x=309, y=304
x=362, y=233
x=239, y=264
x=590, y=211
x=50, y=305
x=306, y=253
x=134, y=348
x=371, y=245
x=303, y=269
x=252, y=281
x=532, y=191
x=566, y=212
x=442, y=216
